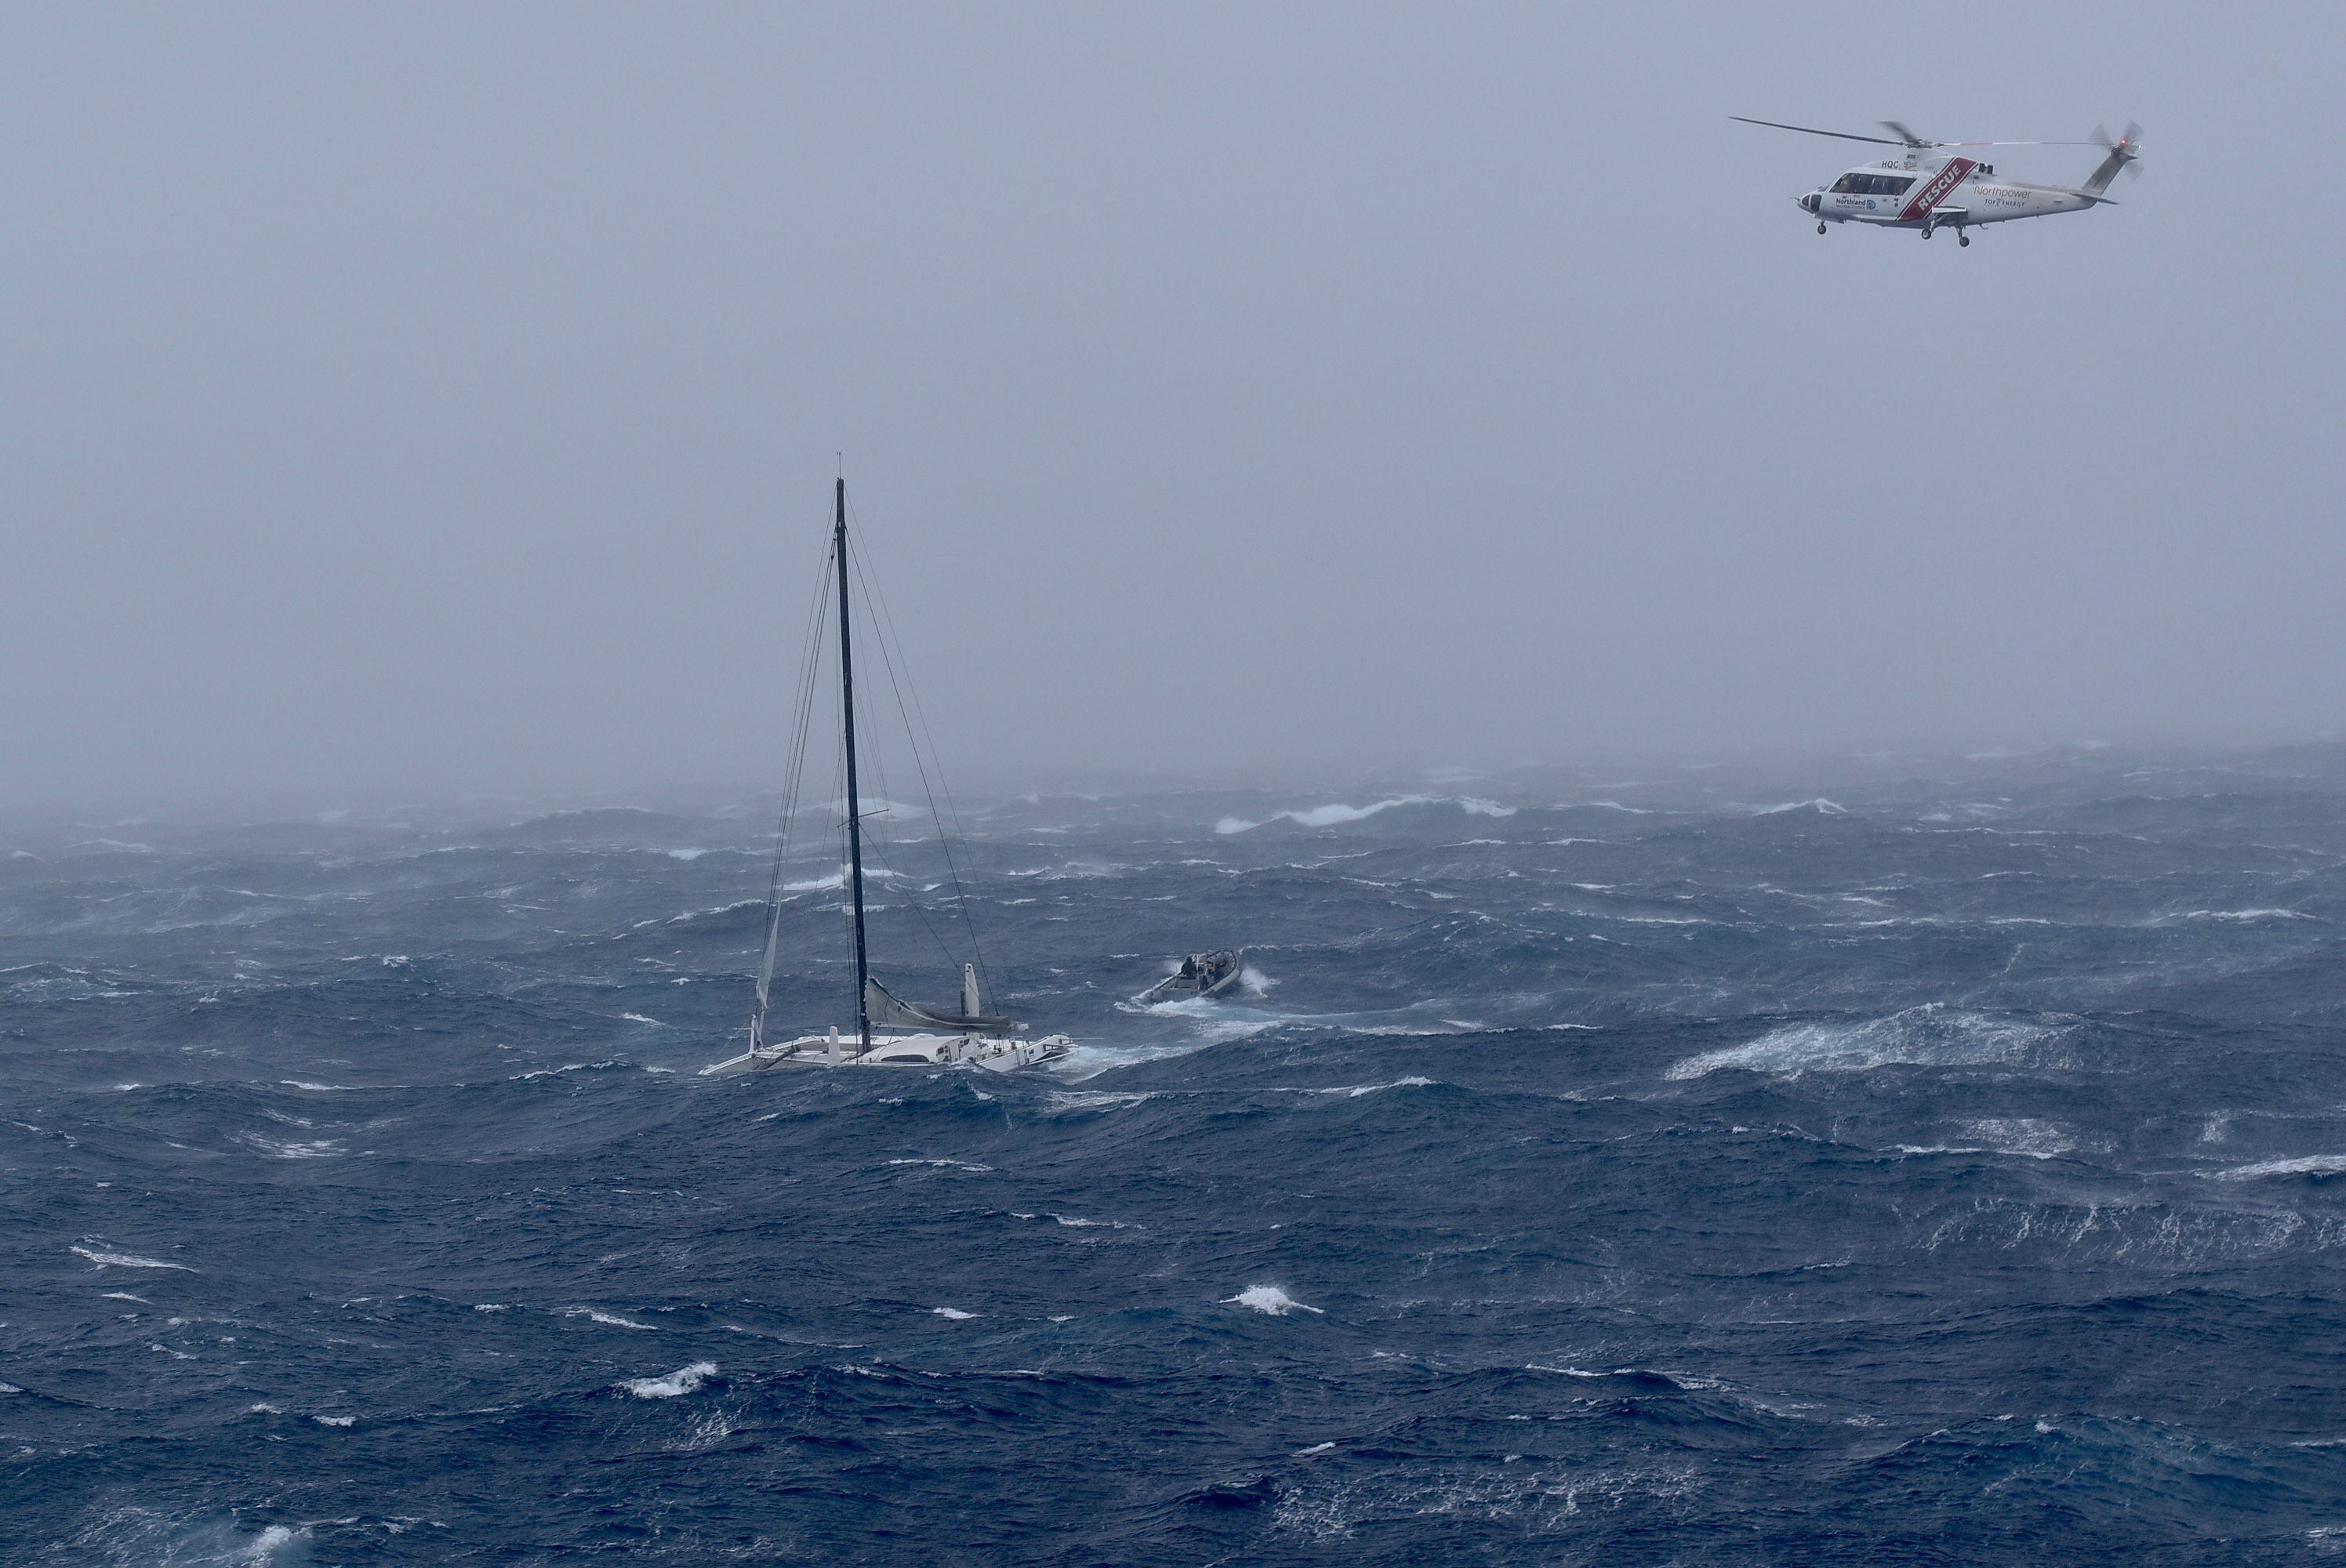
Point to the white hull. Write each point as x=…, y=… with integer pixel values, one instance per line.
x=995, y=1053
x=923, y=1036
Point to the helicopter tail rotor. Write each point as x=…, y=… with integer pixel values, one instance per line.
x=2120, y=154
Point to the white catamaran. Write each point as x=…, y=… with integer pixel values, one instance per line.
x=921, y=1035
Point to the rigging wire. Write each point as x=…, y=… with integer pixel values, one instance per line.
x=877, y=613
x=802, y=714
x=877, y=842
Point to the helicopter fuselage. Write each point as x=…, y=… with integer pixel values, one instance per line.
x=1946, y=193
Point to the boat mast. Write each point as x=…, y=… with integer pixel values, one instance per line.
x=855, y=819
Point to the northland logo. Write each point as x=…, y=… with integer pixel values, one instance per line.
x=1946, y=180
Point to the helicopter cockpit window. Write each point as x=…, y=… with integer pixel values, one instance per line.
x=1872, y=185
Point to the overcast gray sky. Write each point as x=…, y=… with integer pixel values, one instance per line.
x=445, y=397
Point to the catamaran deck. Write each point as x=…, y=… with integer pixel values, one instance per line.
x=996, y=1053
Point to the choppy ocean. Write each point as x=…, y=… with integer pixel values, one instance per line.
x=1910, y=1163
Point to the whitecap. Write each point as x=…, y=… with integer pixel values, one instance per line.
x=565, y=1068
x=1820, y=806
x=1354, y=1091
x=686, y=854
x=2025, y=1136
x=945, y=1165
x=952, y=1314
x=1267, y=1298
x=126, y=1260
x=832, y=883
x=673, y=1385
x=608, y=1319
x=335, y=1420
x=2304, y=1165
x=2242, y=916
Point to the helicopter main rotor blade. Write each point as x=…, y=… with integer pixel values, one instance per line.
x=1845, y=136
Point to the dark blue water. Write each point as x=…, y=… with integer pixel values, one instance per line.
x=1602, y=1171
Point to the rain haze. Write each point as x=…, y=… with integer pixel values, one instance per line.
x=448, y=398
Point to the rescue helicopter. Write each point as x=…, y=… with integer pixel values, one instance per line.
x=1933, y=185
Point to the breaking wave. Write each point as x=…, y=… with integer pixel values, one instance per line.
x=1932, y=1035
x=1332, y=815
x=672, y=1385
x=2303, y=1165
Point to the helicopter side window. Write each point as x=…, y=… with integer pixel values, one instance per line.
x=1845, y=186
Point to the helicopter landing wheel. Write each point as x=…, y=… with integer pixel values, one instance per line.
x=1928, y=233
x=1962, y=239
x=1820, y=227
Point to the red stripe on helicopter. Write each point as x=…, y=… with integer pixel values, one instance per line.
x=1951, y=175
